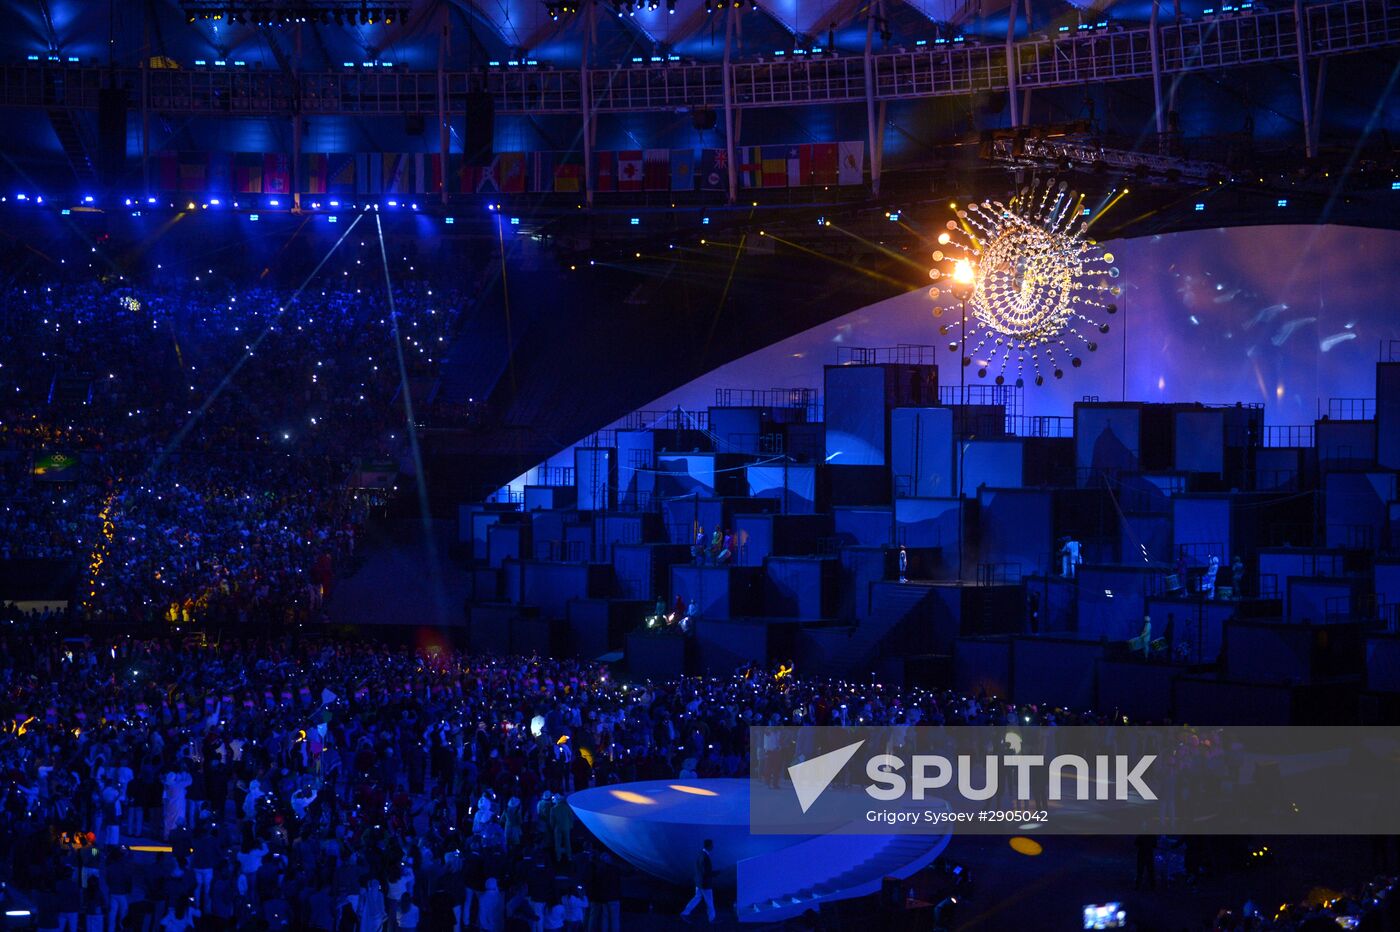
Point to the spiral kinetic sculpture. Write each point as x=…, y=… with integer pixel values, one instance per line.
x=1033, y=282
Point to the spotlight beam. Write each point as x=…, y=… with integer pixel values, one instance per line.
x=410, y=423
x=877, y=276
x=227, y=380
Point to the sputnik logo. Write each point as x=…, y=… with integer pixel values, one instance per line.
x=811, y=777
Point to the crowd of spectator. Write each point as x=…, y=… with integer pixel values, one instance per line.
x=184, y=438
x=1371, y=906
x=296, y=778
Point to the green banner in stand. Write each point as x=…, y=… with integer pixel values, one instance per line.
x=56, y=467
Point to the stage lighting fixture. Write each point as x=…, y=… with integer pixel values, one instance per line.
x=671, y=6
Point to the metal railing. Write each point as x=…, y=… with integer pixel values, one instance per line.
x=904, y=354
x=765, y=397
x=554, y=475
x=607, y=437
x=1199, y=554
x=669, y=419
x=1040, y=425
x=1006, y=395
x=1351, y=409
x=990, y=574
x=1288, y=435
x=955, y=69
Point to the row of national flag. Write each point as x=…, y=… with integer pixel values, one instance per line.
x=795, y=166
x=808, y=164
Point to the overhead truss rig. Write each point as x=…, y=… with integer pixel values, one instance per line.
x=1301, y=33
x=1033, y=151
x=269, y=12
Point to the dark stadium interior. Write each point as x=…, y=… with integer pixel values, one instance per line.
x=460, y=459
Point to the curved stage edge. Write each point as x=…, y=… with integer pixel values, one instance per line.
x=658, y=827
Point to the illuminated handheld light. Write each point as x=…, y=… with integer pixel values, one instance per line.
x=1034, y=283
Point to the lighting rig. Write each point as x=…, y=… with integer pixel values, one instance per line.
x=266, y=13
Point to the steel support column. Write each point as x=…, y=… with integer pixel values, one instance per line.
x=1011, y=65
x=444, y=136
x=877, y=156
x=1318, y=89
x=1154, y=44
x=586, y=105
x=1301, y=30
x=871, y=115
x=294, y=169
x=146, y=108
x=728, y=90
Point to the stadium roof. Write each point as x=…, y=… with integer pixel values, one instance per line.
x=483, y=30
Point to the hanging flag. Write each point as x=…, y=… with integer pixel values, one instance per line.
x=193, y=168
x=362, y=184
x=427, y=172
x=340, y=173
x=605, y=172
x=510, y=172
x=630, y=170
x=714, y=170
x=682, y=169
x=374, y=181
x=750, y=166
x=824, y=159
x=852, y=164
x=799, y=163
x=313, y=173
x=567, y=177
x=169, y=171
x=542, y=172
x=219, y=178
x=467, y=178
x=487, y=181
x=247, y=173
x=775, y=170
x=398, y=173
x=656, y=170
x=275, y=174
